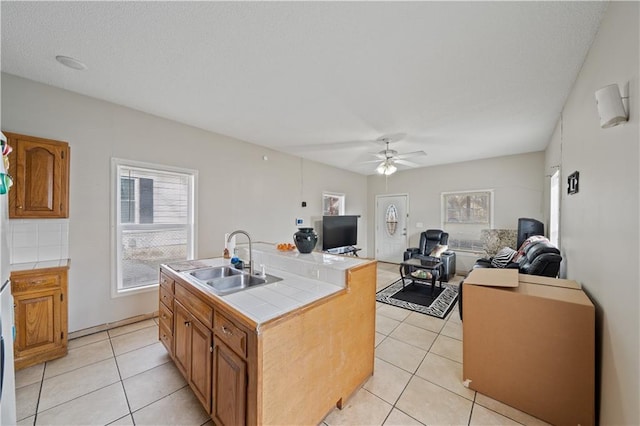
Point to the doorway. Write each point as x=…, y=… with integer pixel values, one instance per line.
x=391, y=227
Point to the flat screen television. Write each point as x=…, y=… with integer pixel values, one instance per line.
x=528, y=227
x=339, y=231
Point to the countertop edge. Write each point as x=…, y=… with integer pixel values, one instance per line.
x=40, y=266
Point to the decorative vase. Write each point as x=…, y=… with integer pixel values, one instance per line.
x=305, y=239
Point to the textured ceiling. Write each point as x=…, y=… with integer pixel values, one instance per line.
x=462, y=80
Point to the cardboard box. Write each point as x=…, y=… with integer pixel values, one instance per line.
x=529, y=342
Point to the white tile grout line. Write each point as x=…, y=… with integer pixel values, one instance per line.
x=35, y=416
x=124, y=391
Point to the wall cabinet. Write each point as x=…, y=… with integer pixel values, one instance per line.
x=40, y=308
x=40, y=171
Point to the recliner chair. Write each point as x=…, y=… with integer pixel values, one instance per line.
x=429, y=239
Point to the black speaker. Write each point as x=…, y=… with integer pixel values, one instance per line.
x=448, y=259
x=528, y=227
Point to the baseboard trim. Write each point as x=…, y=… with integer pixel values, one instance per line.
x=110, y=325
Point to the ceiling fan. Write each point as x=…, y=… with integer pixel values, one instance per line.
x=388, y=158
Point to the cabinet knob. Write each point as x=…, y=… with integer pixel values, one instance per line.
x=226, y=331
x=187, y=323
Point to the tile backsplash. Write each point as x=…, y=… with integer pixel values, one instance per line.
x=38, y=240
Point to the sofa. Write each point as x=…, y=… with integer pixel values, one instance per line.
x=433, y=244
x=538, y=257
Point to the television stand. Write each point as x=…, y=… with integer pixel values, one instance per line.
x=348, y=250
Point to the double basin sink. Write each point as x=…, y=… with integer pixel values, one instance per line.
x=226, y=280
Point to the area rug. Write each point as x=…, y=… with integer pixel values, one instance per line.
x=417, y=297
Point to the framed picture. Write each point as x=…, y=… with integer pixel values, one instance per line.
x=332, y=204
x=473, y=207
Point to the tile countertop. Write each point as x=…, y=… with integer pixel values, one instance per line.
x=306, y=278
x=40, y=265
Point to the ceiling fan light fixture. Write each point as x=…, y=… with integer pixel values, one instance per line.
x=386, y=168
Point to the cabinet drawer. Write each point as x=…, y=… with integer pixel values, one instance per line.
x=35, y=282
x=233, y=336
x=195, y=306
x=166, y=318
x=166, y=282
x=166, y=338
x=166, y=298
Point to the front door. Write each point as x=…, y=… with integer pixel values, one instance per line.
x=391, y=227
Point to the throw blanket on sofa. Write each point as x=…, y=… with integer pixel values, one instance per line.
x=524, y=245
x=503, y=257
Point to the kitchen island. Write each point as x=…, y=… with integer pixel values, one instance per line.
x=286, y=352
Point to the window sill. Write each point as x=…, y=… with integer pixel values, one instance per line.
x=132, y=291
x=467, y=251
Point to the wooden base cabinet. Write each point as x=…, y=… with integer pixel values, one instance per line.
x=40, y=312
x=290, y=370
x=165, y=312
x=230, y=386
x=193, y=353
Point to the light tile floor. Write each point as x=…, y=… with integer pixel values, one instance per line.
x=125, y=377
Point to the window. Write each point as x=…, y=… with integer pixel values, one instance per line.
x=465, y=215
x=554, y=209
x=153, y=221
x=127, y=200
x=136, y=200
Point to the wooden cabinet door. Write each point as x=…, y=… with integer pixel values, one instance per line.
x=182, y=338
x=40, y=168
x=201, y=356
x=193, y=353
x=38, y=322
x=230, y=386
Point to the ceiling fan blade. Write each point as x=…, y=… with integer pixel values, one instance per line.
x=371, y=161
x=379, y=155
x=332, y=146
x=410, y=155
x=406, y=163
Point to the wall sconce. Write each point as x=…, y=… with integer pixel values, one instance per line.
x=610, y=106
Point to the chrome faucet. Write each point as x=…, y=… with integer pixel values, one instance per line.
x=239, y=231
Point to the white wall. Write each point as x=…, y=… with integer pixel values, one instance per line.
x=517, y=181
x=599, y=225
x=237, y=189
